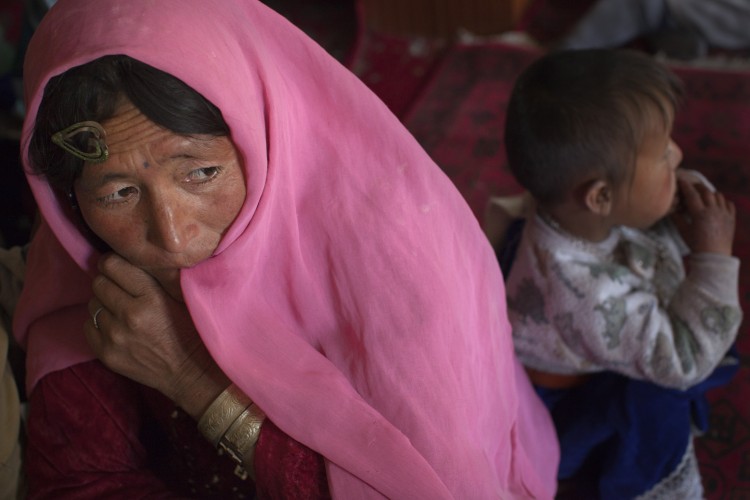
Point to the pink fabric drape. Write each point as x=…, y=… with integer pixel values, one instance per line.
x=354, y=298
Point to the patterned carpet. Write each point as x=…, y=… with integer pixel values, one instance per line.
x=459, y=117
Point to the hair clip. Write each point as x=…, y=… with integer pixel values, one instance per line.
x=89, y=133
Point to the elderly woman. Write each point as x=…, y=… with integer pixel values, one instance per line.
x=237, y=233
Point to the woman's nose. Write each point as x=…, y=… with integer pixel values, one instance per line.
x=171, y=227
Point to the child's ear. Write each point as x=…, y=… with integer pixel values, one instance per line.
x=598, y=197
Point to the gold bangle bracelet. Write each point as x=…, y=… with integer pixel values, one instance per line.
x=240, y=439
x=222, y=413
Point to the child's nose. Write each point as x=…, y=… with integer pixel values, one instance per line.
x=675, y=154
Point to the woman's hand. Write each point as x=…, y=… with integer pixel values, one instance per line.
x=147, y=336
x=706, y=219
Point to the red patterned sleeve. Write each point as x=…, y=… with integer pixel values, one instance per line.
x=82, y=438
x=287, y=469
x=85, y=440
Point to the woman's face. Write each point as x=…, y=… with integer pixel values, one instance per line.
x=161, y=200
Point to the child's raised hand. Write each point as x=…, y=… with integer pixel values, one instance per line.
x=706, y=219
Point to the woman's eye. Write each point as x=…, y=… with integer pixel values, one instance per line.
x=203, y=174
x=120, y=195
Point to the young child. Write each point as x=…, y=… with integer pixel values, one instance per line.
x=620, y=338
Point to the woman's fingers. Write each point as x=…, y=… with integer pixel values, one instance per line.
x=124, y=297
x=95, y=326
x=121, y=286
x=130, y=278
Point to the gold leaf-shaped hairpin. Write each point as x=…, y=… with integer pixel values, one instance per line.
x=95, y=149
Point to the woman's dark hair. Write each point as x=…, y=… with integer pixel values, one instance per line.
x=91, y=92
x=575, y=115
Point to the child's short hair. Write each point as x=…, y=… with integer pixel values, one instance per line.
x=582, y=114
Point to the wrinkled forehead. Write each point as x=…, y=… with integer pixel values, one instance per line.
x=130, y=131
x=128, y=128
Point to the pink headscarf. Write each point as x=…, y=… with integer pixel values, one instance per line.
x=354, y=299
